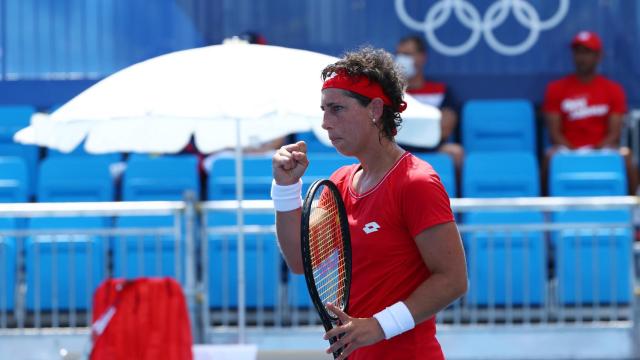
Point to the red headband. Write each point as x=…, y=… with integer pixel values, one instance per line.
x=360, y=85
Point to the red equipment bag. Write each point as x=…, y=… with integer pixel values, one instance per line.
x=140, y=319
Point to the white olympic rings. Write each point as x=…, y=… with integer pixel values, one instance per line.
x=468, y=16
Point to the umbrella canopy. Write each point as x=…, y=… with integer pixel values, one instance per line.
x=158, y=104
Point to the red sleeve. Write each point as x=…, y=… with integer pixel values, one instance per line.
x=552, y=99
x=426, y=203
x=618, y=99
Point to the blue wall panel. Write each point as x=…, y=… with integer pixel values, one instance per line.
x=482, y=48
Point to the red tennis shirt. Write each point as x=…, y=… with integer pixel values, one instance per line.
x=386, y=263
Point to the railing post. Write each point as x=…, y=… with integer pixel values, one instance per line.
x=636, y=303
x=190, y=265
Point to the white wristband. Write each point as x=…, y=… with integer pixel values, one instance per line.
x=286, y=197
x=395, y=320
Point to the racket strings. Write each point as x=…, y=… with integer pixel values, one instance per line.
x=327, y=253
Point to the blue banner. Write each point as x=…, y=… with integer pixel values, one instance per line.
x=481, y=48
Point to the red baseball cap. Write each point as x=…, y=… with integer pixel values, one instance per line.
x=588, y=39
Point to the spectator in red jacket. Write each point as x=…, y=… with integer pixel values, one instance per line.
x=585, y=110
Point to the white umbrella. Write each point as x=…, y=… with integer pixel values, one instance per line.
x=157, y=105
x=230, y=95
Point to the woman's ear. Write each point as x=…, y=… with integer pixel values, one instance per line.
x=376, y=106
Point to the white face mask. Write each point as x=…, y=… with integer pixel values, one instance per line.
x=406, y=65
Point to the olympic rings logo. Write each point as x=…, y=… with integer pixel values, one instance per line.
x=468, y=15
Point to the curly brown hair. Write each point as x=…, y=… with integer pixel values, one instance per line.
x=378, y=66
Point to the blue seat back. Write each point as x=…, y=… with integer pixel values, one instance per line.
x=257, y=176
x=12, y=119
x=443, y=165
x=30, y=155
x=506, y=267
x=498, y=125
x=14, y=179
x=149, y=178
x=152, y=252
x=64, y=269
x=8, y=271
x=593, y=264
x=595, y=173
x=73, y=179
x=508, y=174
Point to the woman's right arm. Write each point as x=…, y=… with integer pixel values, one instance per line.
x=289, y=164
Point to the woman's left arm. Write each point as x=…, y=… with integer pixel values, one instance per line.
x=442, y=252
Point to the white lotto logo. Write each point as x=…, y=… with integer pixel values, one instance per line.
x=371, y=227
x=467, y=15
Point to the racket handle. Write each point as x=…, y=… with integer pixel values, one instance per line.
x=337, y=352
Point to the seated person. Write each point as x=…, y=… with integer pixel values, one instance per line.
x=585, y=110
x=411, y=56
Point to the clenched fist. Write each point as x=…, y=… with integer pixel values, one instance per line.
x=289, y=163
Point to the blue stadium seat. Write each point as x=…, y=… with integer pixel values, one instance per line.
x=505, y=267
x=262, y=256
x=8, y=270
x=14, y=179
x=151, y=178
x=498, y=125
x=64, y=269
x=593, y=263
x=30, y=155
x=13, y=189
x=596, y=173
x=443, y=165
x=75, y=179
x=507, y=174
x=313, y=144
x=155, y=252
x=12, y=119
x=257, y=176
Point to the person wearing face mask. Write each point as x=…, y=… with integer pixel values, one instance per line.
x=411, y=57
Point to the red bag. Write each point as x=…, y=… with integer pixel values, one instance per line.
x=140, y=319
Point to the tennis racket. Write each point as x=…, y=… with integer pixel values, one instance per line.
x=326, y=251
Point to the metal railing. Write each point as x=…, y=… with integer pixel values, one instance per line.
x=60, y=252
x=538, y=273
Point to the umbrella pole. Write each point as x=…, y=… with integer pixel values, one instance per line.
x=240, y=222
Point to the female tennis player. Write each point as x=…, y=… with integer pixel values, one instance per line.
x=407, y=257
